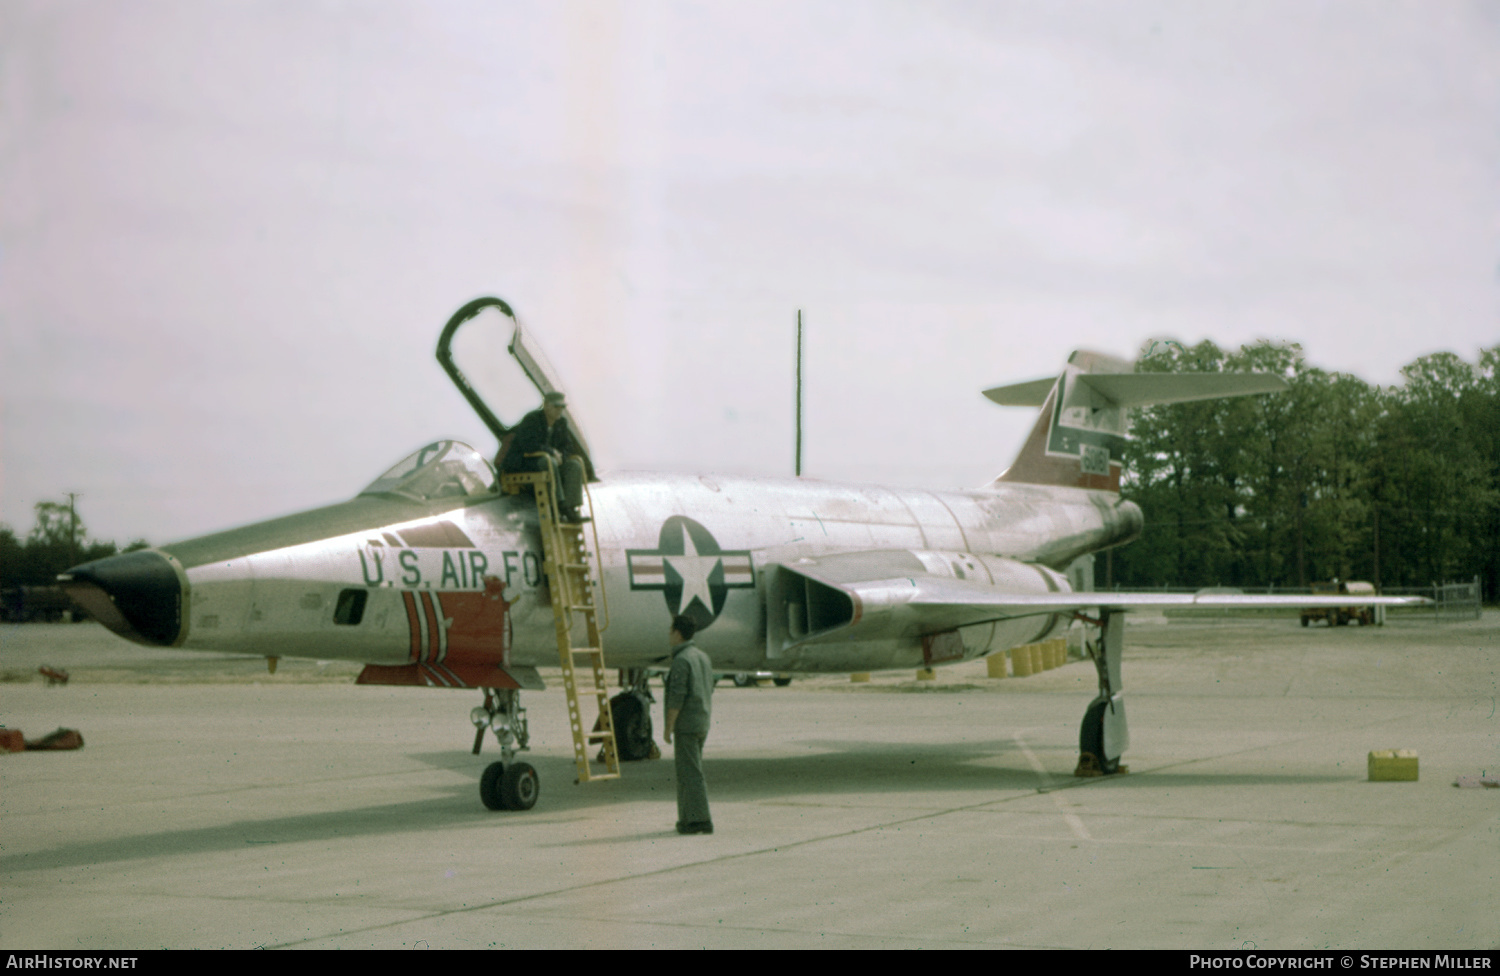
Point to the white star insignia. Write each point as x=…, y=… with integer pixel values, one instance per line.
x=694, y=570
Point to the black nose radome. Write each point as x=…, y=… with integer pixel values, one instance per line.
x=136, y=595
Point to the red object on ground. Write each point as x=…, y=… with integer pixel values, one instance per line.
x=11, y=740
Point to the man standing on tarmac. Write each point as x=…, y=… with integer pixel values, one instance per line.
x=690, y=688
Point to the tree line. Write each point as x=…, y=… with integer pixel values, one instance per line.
x=1333, y=478
x=56, y=542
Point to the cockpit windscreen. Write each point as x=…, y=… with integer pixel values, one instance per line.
x=443, y=469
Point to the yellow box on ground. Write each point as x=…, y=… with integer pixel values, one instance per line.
x=1393, y=766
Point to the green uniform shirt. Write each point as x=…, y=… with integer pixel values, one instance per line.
x=690, y=688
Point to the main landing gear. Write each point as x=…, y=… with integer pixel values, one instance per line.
x=1103, y=737
x=507, y=784
x=631, y=709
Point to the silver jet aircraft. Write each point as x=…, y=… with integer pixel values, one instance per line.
x=434, y=576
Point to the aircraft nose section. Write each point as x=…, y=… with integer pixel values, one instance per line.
x=137, y=595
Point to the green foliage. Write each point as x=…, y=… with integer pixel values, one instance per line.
x=1333, y=478
x=57, y=541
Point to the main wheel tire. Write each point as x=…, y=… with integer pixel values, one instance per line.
x=781, y=682
x=743, y=680
x=633, y=733
x=1091, y=737
x=519, y=787
x=489, y=786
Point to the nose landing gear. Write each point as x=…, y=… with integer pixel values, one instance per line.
x=507, y=784
x=513, y=787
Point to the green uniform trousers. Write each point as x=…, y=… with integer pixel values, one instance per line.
x=692, y=790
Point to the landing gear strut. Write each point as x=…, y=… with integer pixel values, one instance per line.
x=1103, y=736
x=507, y=784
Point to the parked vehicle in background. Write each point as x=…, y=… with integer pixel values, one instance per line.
x=749, y=679
x=1339, y=616
x=33, y=604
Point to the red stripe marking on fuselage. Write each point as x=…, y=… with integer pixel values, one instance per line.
x=432, y=627
x=416, y=627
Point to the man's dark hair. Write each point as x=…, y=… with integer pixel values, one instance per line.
x=684, y=626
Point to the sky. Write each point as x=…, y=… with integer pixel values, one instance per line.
x=231, y=232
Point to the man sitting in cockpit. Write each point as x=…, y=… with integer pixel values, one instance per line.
x=546, y=431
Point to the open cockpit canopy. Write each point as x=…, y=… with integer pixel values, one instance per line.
x=442, y=469
x=505, y=374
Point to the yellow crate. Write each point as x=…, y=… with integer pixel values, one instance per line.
x=1393, y=766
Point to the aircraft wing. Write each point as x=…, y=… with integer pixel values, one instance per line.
x=972, y=599
x=856, y=596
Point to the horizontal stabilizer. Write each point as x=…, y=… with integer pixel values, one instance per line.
x=1032, y=393
x=1145, y=389
x=1080, y=434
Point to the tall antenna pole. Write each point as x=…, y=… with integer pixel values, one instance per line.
x=73, y=526
x=799, y=393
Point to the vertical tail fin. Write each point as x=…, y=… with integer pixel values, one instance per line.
x=1080, y=434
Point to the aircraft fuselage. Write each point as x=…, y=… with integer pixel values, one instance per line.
x=391, y=581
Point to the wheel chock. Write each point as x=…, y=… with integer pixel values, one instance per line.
x=1088, y=765
x=11, y=740
x=59, y=740
x=1393, y=766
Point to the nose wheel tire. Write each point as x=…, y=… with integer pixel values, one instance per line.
x=513, y=787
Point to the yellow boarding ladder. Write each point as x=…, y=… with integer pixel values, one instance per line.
x=566, y=565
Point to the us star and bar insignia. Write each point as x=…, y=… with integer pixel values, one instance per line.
x=690, y=569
